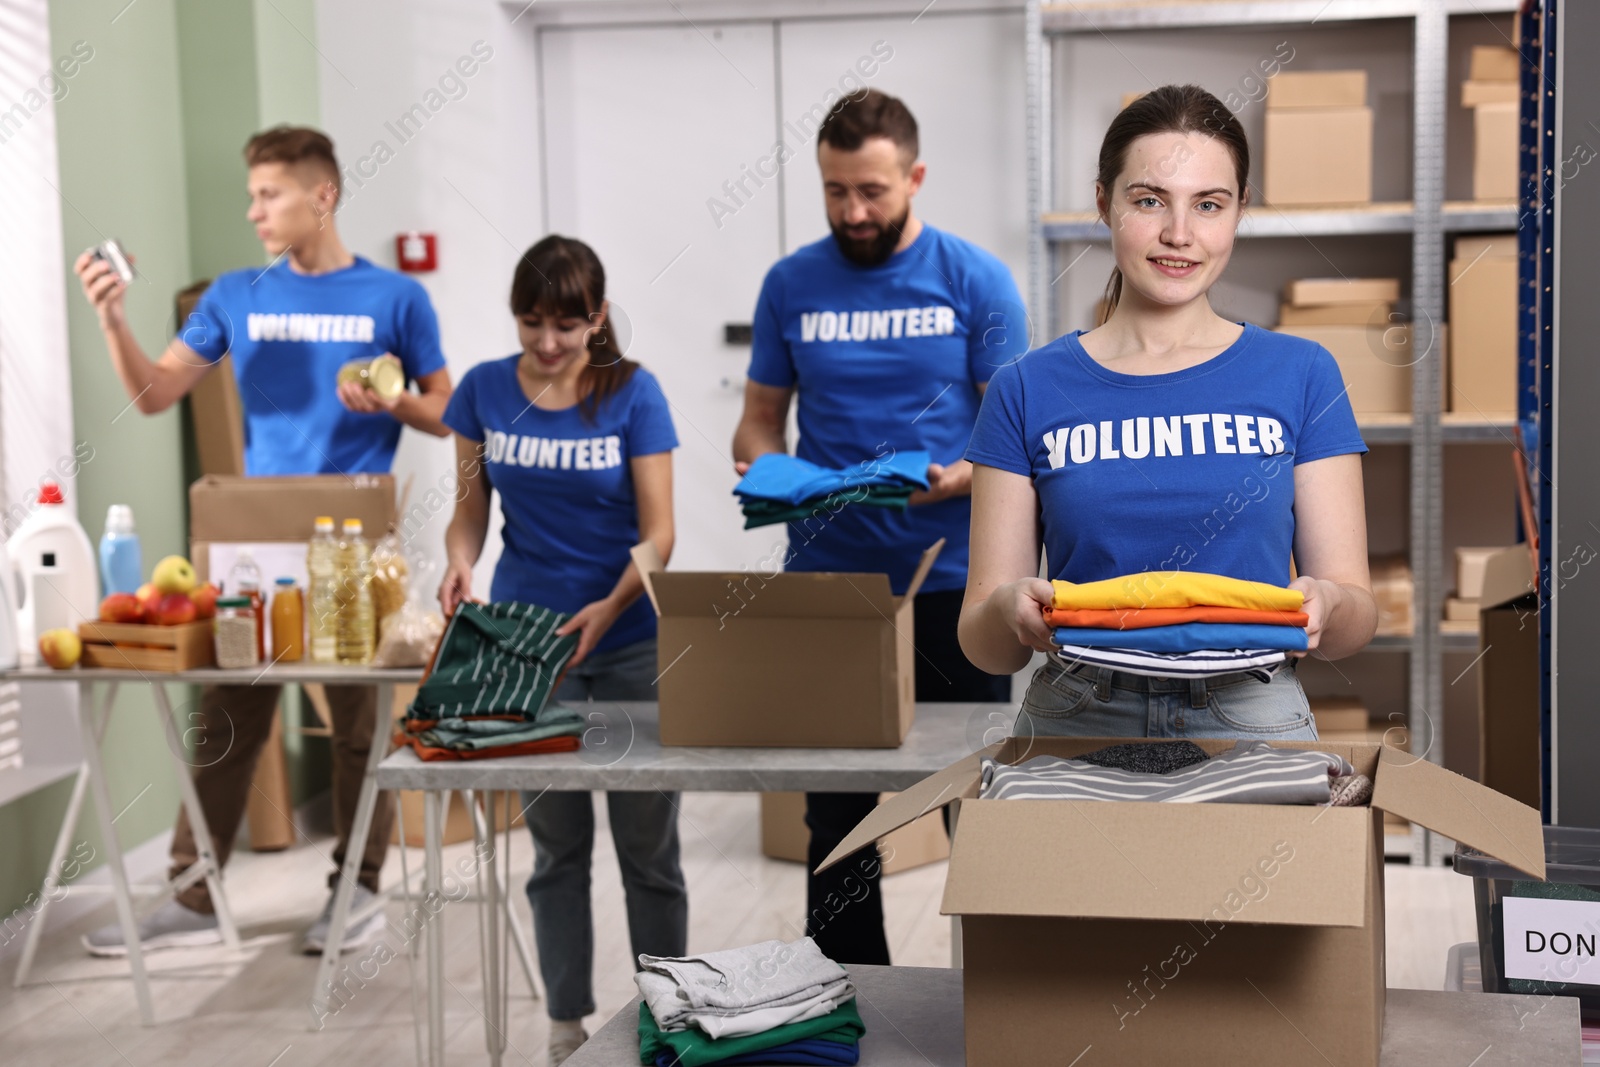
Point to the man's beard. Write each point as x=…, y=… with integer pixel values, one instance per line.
x=872, y=251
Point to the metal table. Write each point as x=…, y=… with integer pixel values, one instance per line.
x=914, y=1019
x=623, y=751
x=92, y=720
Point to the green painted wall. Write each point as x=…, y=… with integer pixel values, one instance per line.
x=150, y=135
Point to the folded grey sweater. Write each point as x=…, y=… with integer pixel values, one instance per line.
x=1253, y=773
x=743, y=990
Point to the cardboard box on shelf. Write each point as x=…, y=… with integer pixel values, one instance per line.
x=1374, y=313
x=1375, y=364
x=1508, y=677
x=1317, y=88
x=1317, y=156
x=783, y=660
x=1306, y=292
x=1494, y=63
x=1470, y=565
x=1393, y=589
x=1461, y=609
x=1274, y=912
x=1344, y=714
x=1483, y=341
x=784, y=835
x=1494, y=151
x=1128, y=98
x=1475, y=93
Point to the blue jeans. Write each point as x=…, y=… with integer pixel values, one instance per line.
x=644, y=828
x=1091, y=701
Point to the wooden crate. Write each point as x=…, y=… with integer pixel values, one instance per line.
x=142, y=647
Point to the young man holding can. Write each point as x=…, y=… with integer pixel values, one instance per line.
x=290, y=327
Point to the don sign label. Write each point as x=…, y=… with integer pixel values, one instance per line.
x=1552, y=940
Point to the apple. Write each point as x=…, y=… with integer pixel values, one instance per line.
x=121, y=607
x=173, y=609
x=205, y=601
x=60, y=648
x=149, y=597
x=173, y=575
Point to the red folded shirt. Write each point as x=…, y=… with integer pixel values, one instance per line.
x=569, y=743
x=1142, y=618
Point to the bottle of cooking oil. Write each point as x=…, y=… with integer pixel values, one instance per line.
x=357, y=627
x=323, y=588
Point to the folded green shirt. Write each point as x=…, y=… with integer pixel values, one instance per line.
x=695, y=1049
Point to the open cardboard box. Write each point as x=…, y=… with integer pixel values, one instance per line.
x=821, y=660
x=1205, y=934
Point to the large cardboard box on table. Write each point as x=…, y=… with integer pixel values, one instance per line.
x=1508, y=677
x=1234, y=935
x=1318, y=139
x=820, y=660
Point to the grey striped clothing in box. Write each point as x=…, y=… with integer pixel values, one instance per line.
x=1253, y=773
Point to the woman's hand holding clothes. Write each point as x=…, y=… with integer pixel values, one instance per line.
x=591, y=623
x=1322, y=598
x=1021, y=605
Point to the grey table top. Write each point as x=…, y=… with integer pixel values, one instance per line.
x=622, y=750
x=914, y=1019
x=277, y=674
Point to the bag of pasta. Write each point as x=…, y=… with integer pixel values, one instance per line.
x=408, y=634
x=391, y=576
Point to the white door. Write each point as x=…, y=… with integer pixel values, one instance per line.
x=643, y=128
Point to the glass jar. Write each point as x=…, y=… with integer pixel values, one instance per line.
x=288, y=622
x=235, y=633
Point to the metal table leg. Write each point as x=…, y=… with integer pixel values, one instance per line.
x=119, y=875
x=58, y=855
x=354, y=848
x=197, y=821
x=432, y=892
x=519, y=936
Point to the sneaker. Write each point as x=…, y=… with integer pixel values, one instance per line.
x=170, y=926
x=356, y=935
x=565, y=1037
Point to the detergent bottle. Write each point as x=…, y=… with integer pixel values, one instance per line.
x=53, y=566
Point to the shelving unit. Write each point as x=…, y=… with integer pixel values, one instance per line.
x=1426, y=217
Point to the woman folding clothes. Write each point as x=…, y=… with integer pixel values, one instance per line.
x=1175, y=467
x=578, y=442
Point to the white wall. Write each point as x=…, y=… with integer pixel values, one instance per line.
x=643, y=122
x=469, y=175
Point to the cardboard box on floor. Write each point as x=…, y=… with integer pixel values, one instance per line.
x=1233, y=935
x=784, y=835
x=789, y=660
x=1508, y=677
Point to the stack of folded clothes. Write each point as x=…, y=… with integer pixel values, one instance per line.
x=782, y=488
x=1178, y=624
x=487, y=692
x=1253, y=772
x=773, y=1002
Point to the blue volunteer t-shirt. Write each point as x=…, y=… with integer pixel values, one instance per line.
x=1192, y=470
x=566, y=488
x=886, y=359
x=289, y=334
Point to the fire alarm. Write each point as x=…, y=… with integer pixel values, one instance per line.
x=416, y=252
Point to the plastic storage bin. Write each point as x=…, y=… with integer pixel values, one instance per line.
x=1553, y=926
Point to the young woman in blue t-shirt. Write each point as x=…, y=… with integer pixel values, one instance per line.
x=578, y=443
x=1166, y=439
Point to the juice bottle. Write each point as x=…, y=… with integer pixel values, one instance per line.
x=244, y=579
x=288, y=623
x=357, y=631
x=323, y=597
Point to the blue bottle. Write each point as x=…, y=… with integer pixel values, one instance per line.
x=121, y=569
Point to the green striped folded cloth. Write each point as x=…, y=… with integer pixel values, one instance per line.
x=492, y=677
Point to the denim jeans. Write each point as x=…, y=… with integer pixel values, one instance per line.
x=644, y=828
x=1092, y=701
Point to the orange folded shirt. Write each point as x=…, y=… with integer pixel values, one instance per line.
x=1142, y=618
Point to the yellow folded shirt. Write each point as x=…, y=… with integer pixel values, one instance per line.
x=1176, y=589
